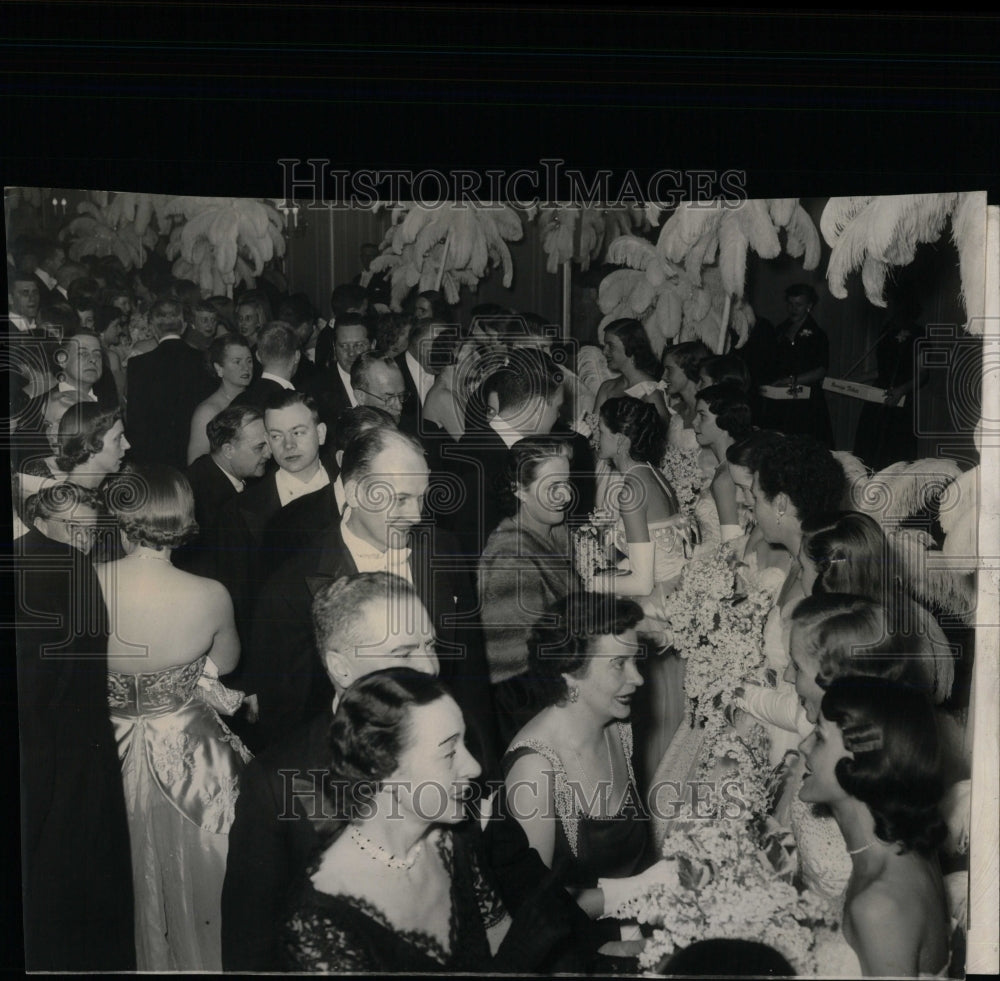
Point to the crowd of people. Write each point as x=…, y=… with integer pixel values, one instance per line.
x=309, y=674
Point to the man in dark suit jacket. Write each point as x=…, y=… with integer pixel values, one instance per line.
x=413, y=363
x=243, y=543
x=164, y=388
x=527, y=397
x=385, y=477
x=279, y=356
x=363, y=623
x=238, y=452
x=77, y=870
x=332, y=388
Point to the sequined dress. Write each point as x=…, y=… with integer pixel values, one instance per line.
x=181, y=769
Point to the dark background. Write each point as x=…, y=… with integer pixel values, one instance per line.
x=204, y=99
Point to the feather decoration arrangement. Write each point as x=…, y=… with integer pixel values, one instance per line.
x=696, y=232
x=446, y=246
x=672, y=304
x=900, y=491
x=222, y=241
x=108, y=229
x=874, y=234
x=574, y=234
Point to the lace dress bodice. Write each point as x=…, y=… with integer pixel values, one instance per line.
x=346, y=933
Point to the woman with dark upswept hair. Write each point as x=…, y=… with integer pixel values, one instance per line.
x=400, y=884
x=874, y=759
x=181, y=765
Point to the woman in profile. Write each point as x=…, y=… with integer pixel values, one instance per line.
x=180, y=764
x=526, y=566
x=874, y=759
x=398, y=886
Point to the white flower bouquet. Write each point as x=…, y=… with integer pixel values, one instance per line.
x=593, y=543
x=728, y=889
x=684, y=474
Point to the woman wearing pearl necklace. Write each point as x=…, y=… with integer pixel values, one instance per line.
x=398, y=887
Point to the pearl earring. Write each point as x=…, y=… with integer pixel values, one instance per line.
x=574, y=693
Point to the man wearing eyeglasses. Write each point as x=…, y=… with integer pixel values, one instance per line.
x=378, y=382
x=332, y=388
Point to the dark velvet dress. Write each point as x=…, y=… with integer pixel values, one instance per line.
x=887, y=434
x=810, y=349
x=344, y=933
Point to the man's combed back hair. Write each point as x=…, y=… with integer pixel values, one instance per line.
x=361, y=452
x=227, y=426
x=340, y=609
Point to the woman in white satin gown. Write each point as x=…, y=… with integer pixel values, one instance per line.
x=180, y=764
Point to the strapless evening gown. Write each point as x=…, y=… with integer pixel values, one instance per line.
x=181, y=770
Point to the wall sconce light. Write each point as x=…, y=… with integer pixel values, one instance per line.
x=295, y=226
x=59, y=207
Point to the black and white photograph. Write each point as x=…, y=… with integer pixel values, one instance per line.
x=578, y=560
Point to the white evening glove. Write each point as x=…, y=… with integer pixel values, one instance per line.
x=224, y=700
x=729, y=532
x=617, y=892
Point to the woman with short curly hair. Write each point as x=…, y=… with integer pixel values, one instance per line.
x=180, y=764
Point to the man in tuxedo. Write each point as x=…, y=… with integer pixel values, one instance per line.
x=525, y=398
x=385, y=478
x=299, y=313
x=51, y=255
x=253, y=531
x=362, y=623
x=278, y=354
x=332, y=388
x=165, y=386
x=348, y=298
x=414, y=364
x=378, y=382
x=238, y=452
x=23, y=301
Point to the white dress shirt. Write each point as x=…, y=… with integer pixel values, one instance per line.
x=345, y=377
x=424, y=380
x=283, y=382
x=67, y=387
x=240, y=485
x=505, y=431
x=22, y=323
x=370, y=559
x=290, y=487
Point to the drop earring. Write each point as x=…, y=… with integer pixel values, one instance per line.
x=573, y=694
